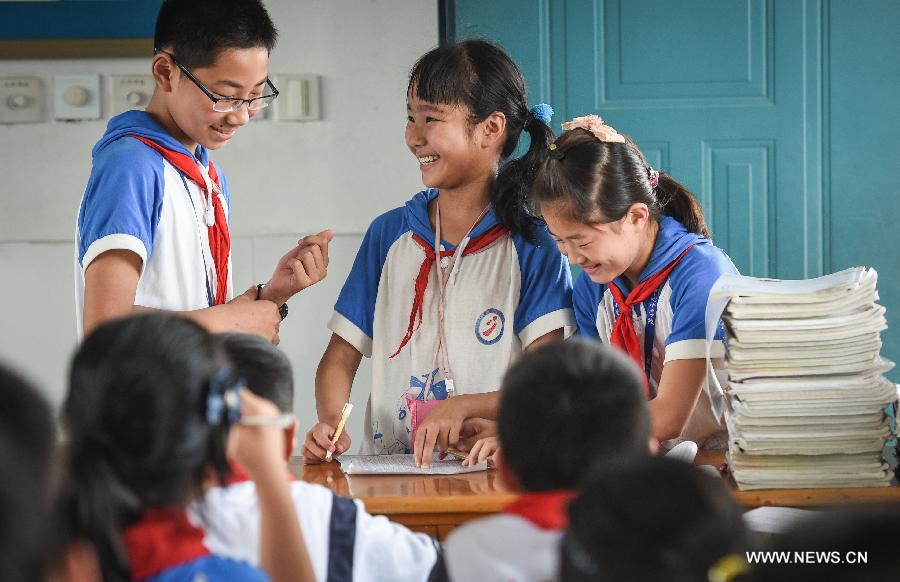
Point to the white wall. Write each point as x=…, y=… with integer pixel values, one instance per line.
x=286, y=179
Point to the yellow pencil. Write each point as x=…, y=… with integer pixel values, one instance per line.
x=345, y=412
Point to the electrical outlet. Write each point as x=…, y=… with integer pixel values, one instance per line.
x=127, y=92
x=76, y=96
x=21, y=101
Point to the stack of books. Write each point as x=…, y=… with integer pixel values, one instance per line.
x=806, y=392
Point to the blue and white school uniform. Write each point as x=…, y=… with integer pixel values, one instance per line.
x=135, y=200
x=344, y=542
x=671, y=323
x=498, y=301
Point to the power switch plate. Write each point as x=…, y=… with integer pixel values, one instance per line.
x=129, y=92
x=298, y=99
x=76, y=96
x=21, y=101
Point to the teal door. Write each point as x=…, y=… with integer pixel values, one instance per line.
x=781, y=116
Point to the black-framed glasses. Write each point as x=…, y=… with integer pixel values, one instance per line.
x=228, y=104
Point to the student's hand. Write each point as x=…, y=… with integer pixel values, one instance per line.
x=244, y=314
x=483, y=451
x=301, y=267
x=474, y=429
x=259, y=449
x=318, y=443
x=441, y=427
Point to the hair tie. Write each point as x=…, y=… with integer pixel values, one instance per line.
x=555, y=152
x=224, y=400
x=653, y=176
x=543, y=112
x=595, y=125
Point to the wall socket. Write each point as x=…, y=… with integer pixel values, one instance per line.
x=76, y=97
x=127, y=92
x=21, y=100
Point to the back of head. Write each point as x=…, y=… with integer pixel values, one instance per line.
x=480, y=76
x=592, y=180
x=650, y=518
x=27, y=442
x=197, y=31
x=568, y=403
x=857, y=544
x=139, y=426
x=27, y=425
x=265, y=368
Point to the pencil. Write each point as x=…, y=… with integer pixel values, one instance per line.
x=345, y=412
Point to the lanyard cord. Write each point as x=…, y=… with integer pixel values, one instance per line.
x=452, y=270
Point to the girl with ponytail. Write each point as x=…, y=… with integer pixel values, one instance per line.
x=648, y=265
x=151, y=404
x=448, y=290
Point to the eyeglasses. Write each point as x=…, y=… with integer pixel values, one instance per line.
x=228, y=104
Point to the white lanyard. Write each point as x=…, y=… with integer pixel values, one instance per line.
x=452, y=270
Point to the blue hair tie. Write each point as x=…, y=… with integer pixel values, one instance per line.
x=224, y=400
x=543, y=112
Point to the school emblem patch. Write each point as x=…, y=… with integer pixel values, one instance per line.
x=489, y=327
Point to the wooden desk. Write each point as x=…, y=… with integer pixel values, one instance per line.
x=434, y=504
x=437, y=504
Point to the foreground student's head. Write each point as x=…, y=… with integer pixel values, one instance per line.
x=564, y=405
x=27, y=442
x=147, y=414
x=266, y=371
x=650, y=518
x=857, y=544
x=224, y=46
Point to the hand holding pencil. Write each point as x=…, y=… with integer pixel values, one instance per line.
x=324, y=440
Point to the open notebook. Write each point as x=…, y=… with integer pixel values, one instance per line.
x=403, y=465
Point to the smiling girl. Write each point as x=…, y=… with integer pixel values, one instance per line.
x=648, y=263
x=448, y=290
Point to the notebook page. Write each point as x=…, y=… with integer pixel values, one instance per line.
x=403, y=465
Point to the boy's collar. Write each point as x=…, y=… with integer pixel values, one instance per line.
x=546, y=509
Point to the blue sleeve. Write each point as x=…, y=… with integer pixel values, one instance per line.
x=356, y=301
x=546, y=282
x=691, y=282
x=122, y=201
x=212, y=568
x=586, y=299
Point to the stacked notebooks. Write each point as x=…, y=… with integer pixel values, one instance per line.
x=806, y=392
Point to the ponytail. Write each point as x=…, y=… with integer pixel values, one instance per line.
x=95, y=506
x=509, y=193
x=677, y=201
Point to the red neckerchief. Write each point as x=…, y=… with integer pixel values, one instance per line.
x=623, y=335
x=239, y=475
x=546, y=510
x=219, y=236
x=162, y=539
x=476, y=244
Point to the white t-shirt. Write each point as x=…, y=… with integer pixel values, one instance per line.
x=135, y=200
x=344, y=542
x=501, y=299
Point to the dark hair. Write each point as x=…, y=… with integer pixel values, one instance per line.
x=138, y=431
x=264, y=367
x=197, y=31
x=565, y=403
x=480, y=76
x=587, y=175
x=841, y=534
x=650, y=518
x=27, y=444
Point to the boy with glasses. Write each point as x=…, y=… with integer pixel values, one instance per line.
x=152, y=230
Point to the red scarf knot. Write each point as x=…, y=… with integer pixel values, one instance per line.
x=623, y=334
